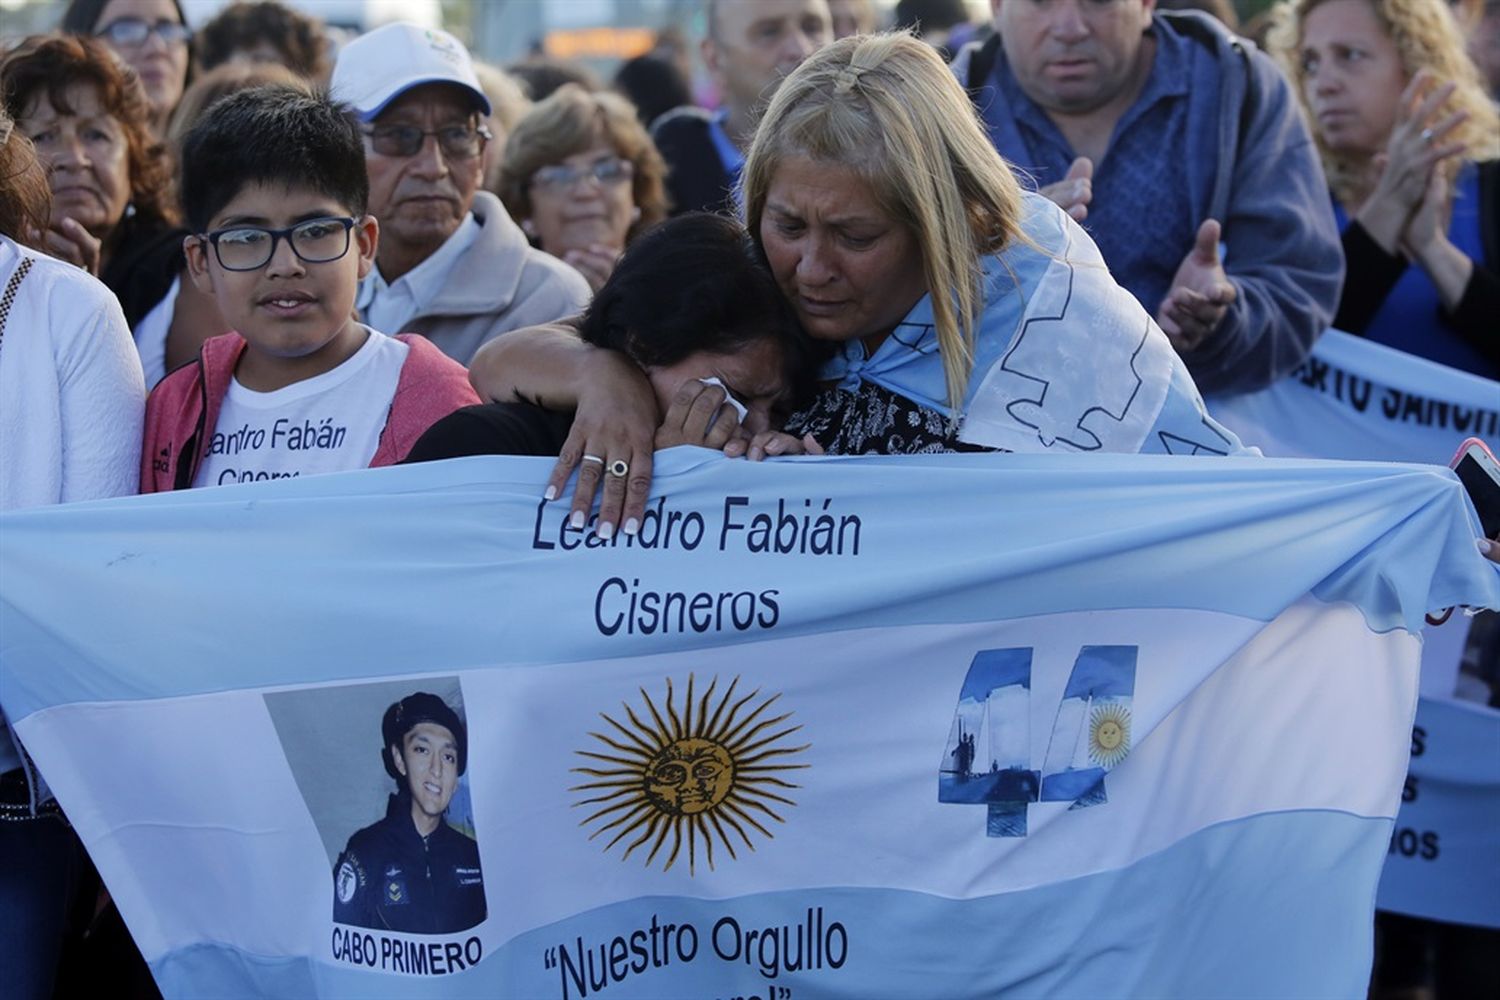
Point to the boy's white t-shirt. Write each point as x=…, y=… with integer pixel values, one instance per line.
x=328, y=423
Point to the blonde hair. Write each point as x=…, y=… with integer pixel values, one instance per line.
x=1427, y=36
x=570, y=121
x=886, y=107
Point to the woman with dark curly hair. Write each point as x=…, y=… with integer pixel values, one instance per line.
x=583, y=178
x=113, y=210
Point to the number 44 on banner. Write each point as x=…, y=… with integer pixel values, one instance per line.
x=987, y=760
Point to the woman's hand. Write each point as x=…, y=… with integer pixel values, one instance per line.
x=701, y=415
x=1417, y=144
x=773, y=444
x=1425, y=241
x=596, y=263
x=611, y=443
x=67, y=240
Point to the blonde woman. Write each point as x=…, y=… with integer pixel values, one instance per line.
x=1410, y=142
x=961, y=312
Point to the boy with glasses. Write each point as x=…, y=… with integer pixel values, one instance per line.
x=452, y=265
x=274, y=187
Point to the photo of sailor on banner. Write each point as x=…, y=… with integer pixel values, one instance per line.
x=415, y=868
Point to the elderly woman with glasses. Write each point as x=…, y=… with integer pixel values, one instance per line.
x=113, y=212
x=152, y=37
x=583, y=178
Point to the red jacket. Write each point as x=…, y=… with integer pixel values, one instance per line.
x=184, y=409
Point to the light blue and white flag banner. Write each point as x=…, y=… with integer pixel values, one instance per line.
x=908, y=727
x=1358, y=400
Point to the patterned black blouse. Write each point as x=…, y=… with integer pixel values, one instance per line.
x=871, y=420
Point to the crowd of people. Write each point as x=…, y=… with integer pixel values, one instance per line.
x=319, y=261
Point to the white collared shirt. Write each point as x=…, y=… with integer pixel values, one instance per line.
x=392, y=306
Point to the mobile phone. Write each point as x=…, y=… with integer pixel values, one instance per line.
x=1479, y=471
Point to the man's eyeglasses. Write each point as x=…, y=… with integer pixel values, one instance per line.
x=132, y=31
x=561, y=178
x=249, y=248
x=458, y=142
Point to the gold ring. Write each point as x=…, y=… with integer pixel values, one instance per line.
x=619, y=467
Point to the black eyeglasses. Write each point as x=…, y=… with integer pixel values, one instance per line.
x=560, y=178
x=248, y=248
x=133, y=31
x=458, y=142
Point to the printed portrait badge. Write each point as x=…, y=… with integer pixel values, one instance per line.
x=346, y=882
x=694, y=776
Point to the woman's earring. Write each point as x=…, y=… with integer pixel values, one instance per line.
x=635, y=213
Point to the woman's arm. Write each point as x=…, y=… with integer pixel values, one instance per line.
x=1425, y=241
x=1470, y=295
x=102, y=399
x=1474, y=316
x=537, y=364
x=615, y=420
x=1370, y=274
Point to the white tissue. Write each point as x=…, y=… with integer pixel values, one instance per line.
x=739, y=407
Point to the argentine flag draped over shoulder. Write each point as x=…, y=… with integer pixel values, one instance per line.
x=955, y=726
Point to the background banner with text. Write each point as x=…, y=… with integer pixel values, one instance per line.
x=954, y=726
x=1444, y=858
x=1356, y=399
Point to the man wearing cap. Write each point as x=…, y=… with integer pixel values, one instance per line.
x=451, y=264
x=411, y=871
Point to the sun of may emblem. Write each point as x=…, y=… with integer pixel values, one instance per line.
x=1109, y=734
x=708, y=775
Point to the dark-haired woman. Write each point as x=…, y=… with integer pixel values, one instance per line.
x=152, y=37
x=691, y=307
x=113, y=211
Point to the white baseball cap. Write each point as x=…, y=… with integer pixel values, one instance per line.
x=381, y=65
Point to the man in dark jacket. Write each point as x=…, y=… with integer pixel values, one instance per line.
x=751, y=45
x=411, y=871
x=1180, y=148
